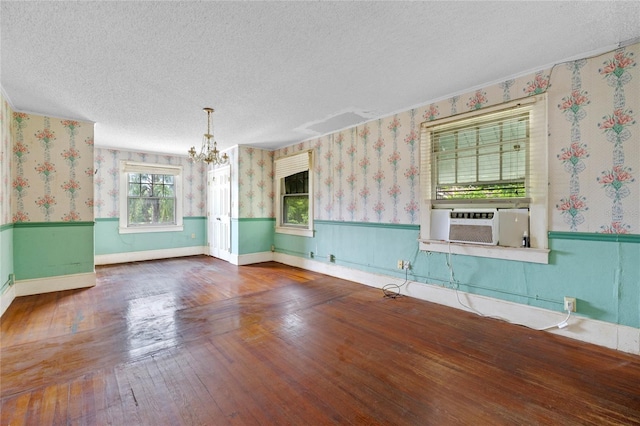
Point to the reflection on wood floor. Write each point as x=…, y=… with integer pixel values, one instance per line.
x=197, y=341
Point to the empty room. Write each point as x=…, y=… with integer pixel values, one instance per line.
x=308, y=213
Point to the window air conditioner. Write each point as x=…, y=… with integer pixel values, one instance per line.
x=474, y=226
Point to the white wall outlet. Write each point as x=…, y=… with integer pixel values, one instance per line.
x=406, y=265
x=570, y=304
x=193, y=236
x=400, y=264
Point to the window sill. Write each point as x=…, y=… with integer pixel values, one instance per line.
x=302, y=232
x=532, y=255
x=148, y=229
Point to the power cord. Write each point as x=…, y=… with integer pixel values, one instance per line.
x=453, y=283
x=392, y=290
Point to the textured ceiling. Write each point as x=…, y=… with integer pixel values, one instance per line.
x=276, y=72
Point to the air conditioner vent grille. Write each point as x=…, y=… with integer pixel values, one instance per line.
x=471, y=234
x=476, y=227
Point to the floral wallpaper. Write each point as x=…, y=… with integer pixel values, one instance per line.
x=369, y=173
x=51, y=169
x=107, y=184
x=253, y=176
x=595, y=149
x=6, y=113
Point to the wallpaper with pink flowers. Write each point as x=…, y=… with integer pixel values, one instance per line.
x=6, y=113
x=252, y=173
x=369, y=173
x=51, y=169
x=107, y=180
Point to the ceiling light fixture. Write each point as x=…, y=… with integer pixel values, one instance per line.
x=207, y=154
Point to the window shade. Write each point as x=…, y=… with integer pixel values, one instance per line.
x=483, y=156
x=154, y=169
x=293, y=164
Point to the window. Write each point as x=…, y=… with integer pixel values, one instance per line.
x=295, y=200
x=294, y=186
x=150, y=198
x=484, y=158
x=492, y=158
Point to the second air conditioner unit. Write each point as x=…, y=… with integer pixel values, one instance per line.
x=474, y=226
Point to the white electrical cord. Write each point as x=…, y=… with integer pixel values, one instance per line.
x=454, y=285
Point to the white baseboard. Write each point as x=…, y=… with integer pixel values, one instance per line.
x=138, y=256
x=248, y=259
x=6, y=298
x=58, y=283
x=613, y=336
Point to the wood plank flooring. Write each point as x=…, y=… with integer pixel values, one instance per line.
x=197, y=341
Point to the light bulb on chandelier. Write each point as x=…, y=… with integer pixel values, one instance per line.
x=208, y=154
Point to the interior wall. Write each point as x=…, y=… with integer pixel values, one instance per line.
x=6, y=226
x=368, y=175
x=52, y=196
x=108, y=239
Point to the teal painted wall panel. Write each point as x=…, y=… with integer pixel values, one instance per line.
x=253, y=235
x=6, y=255
x=49, y=249
x=603, y=274
x=110, y=241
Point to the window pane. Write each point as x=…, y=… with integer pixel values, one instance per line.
x=297, y=184
x=295, y=210
x=134, y=177
x=168, y=179
x=134, y=189
x=482, y=160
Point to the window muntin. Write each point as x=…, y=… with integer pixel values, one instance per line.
x=151, y=199
x=484, y=159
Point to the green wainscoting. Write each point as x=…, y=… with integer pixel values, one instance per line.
x=6, y=255
x=252, y=235
x=109, y=240
x=49, y=249
x=602, y=271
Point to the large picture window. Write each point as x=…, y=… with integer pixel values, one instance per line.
x=150, y=197
x=294, y=188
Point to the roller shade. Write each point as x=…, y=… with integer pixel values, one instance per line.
x=293, y=164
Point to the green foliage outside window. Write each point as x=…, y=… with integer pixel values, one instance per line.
x=151, y=199
x=295, y=201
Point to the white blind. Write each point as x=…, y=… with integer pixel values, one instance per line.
x=287, y=166
x=154, y=169
x=479, y=155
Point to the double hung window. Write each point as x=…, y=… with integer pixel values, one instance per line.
x=294, y=188
x=150, y=198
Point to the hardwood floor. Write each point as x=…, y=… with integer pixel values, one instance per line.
x=197, y=341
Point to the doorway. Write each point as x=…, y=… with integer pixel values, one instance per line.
x=219, y=217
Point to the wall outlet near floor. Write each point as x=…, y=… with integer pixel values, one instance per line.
x=193, y=236
x=570, y=304
x=400, y=264
x=406, y=264
x=332, y=258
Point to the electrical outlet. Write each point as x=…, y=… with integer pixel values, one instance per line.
x=332, y=258
x=311, y=254
x=406, y=265
x=400, y=264
x=193, y=236
x=570, y=304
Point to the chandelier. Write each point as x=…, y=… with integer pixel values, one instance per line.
x=207, y=154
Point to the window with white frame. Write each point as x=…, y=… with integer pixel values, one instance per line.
x=495, y=158
x=294, y=189
x=150, y=197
